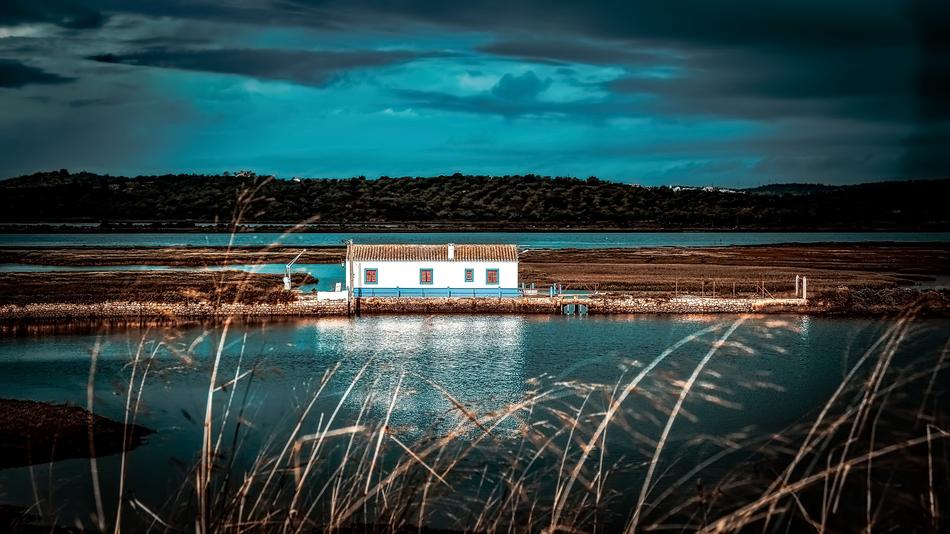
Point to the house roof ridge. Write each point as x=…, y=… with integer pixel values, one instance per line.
x=505, y=252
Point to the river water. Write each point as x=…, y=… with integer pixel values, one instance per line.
x=326, y=274
x=522, y=239
x=775, y=371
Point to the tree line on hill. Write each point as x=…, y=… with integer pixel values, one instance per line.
x=458, y=201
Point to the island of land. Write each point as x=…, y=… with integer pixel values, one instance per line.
x=843, y=278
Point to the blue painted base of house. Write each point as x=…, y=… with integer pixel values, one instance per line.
x=436, y=292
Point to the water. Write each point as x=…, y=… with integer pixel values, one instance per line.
x=522, y=239
x=327, y=274
x=784, y=369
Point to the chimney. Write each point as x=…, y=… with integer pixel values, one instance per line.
x=451, y=251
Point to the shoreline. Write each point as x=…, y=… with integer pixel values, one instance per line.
x=930, y=303
x=843, y=279
x=33, y=432
x=93, y=225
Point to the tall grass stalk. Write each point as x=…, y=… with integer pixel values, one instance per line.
x=543, y=461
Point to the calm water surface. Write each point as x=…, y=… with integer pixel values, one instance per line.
x=327, y=274
x=523, y=239
x=780, y=369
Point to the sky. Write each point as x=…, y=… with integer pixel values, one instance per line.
x=693, y=92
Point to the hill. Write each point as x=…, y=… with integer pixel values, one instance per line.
x=461, y=202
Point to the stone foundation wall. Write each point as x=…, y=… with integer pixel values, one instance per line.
x=145, y=310
x=378, y=305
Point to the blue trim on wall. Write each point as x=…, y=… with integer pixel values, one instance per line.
x=497, y=277
x=431, y=276
x=436, y=292
x=376, y=276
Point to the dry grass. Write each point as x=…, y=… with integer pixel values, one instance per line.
x=873, y=457
x=174, y=256
x=740, y=268
x=646, y=270
x=149, y=286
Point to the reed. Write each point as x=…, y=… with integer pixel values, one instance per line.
x=872, y=456
x=546, y=462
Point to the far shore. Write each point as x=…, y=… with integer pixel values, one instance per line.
x=210, y=227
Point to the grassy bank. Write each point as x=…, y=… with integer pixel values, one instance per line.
x=844, y=302
x=856, y=279
x=649, y=271
x=151, y=286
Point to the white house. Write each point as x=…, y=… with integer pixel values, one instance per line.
x=432, y=270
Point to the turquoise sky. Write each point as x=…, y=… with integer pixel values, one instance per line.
x=687, y=92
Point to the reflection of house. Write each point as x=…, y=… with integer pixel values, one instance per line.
x=432, y=270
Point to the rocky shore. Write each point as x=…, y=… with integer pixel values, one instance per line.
x=165, y=310
x=843, y=279
x=933, y=302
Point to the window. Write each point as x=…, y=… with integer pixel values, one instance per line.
x=469, y=275
x=370, y=276
x=491, y=277
x=425, y=276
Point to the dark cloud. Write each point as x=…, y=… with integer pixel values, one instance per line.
x=555, y=51
x=91, y=102
x=302, y=67
x=526, y=105
x=789, y=65
x=526, y=86
x=16, y=74
x=66, y=13
x=752, y=84
x=806, y=23
x=926, y=154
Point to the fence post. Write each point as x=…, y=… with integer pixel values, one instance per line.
x=796, y=285
x=804, y=288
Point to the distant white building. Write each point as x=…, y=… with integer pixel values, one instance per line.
x=432, y=270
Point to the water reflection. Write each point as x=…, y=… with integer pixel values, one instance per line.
x=478, y=360
x=769, y=375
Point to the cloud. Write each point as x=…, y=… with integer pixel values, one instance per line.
x=579, y=51
x=297, y=66
x=813, y=79
x=15, y=74
x=66, y=13
x=750, y=84
x=526, y=86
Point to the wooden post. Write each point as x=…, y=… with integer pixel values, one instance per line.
x=804, y=288
x=349, y=282
x=733, y=289
x=796, y=285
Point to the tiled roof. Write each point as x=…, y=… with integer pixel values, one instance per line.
x=431, y=253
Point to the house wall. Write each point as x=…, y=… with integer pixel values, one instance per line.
x=446, y=274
